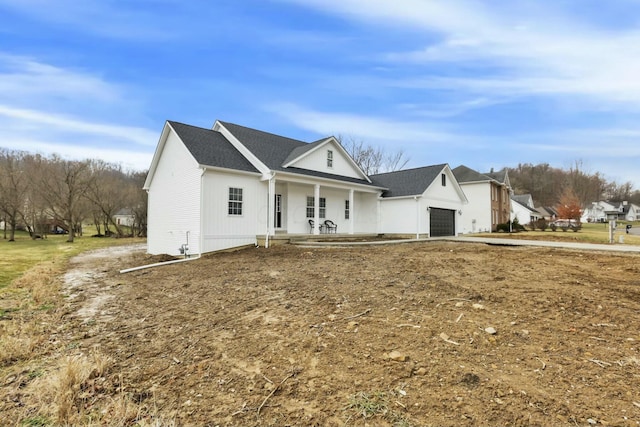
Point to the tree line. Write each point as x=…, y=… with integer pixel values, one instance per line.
x=42, y=193
x=548, y=186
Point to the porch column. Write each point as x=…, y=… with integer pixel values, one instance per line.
x=316, y=209
x=351, y=212
x=271, y=207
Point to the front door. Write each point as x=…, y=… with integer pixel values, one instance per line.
x=278, y=211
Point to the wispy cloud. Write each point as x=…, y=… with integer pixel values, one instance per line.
x=48, y=122
x=369, y=128
x=516, y=50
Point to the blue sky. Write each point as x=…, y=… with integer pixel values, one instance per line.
x=482, y=83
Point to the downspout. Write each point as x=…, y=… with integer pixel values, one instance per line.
x=201, y=237
x=417, y=199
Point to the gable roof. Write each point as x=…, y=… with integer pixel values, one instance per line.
x=272, y=150
x=523, y=199
x=276, y=151
x=465, y=174
x=500, y=176
x=211, y=148
x=523, y=204
x=408, y=182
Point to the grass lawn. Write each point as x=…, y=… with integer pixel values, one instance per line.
x=19, y=256
x=590, y=233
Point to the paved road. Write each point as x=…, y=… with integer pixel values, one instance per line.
x=615, y=247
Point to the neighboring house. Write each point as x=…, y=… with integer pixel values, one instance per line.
x=489, y=199
x=547, y=212
x=425, y=201
x=522, y=209
x=603, y=211
x=633, y=214
x=596, y=212
x=125, y=217
x=524, y=199
x=232, y=186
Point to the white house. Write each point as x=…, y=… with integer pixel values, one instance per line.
x=601, y=211
x=489, y=200
x=125, y=216
x=522, y=209
x=231, y=186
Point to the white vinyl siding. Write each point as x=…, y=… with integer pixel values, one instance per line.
x=174, y=201
x=222, y=230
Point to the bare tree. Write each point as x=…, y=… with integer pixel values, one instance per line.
x=370, y=159
x=107, y=191
x=62, y=185
x=13, y=188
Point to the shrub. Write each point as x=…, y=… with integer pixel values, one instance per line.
x=541, y=224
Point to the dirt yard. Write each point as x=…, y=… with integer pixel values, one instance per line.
x=417, y=334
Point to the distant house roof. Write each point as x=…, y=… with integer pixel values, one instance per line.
x=500, y=176
x=523, y=199
x=125, y=212
x=409, y=182
x=465, y=174
x=547, y=211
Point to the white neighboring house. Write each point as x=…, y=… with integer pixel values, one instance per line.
x=633, y=214
x=489, y=200
x=598, y=211
x=602, y=211
x=125, y=217
x=232, y=186
x=523, y=210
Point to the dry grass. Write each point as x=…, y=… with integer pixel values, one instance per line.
x=41, y=382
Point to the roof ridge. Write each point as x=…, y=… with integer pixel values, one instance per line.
x=410, y=169
x=262, y=131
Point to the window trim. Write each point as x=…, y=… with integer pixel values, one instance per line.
x=310, y=211
x=235, y=201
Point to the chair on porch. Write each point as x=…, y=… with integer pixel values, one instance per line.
x=331, y=226
x=311, y=226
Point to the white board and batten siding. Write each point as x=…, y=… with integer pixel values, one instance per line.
x=317, y=161
x=222, y=230
x=174, y=201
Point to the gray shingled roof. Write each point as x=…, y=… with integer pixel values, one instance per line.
x=211, y=148
x=464, y=174
x=521, y=198
x=409, y=182
x=271, y=149
x=500, y=176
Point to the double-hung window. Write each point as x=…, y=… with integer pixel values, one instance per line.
x=329, y=159
x=311, y=207
x=346, y=209
x=235, y=201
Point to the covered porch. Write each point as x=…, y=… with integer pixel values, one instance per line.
x=323, y=208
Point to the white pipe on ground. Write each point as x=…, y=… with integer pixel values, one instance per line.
x=157, y=264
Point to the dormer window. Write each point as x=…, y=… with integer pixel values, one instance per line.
x=329, y=158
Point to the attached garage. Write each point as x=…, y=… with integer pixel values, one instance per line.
x=442, y=222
